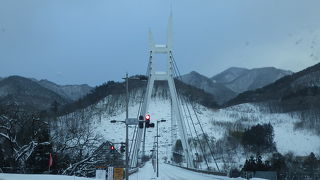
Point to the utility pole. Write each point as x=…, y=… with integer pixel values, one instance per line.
x=157, y=148
x=128, y=121
x=127, y=136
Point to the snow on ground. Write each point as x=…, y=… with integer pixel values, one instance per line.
x=115, y=132
x=214, y=122
x=166, y=172
x=4, y=176
x=300, y=142
x=169, y=172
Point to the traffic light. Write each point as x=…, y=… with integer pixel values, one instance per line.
x=123, y=148
x=147, y=119
x=112, y=149
x=140, y=121
x=140, y=125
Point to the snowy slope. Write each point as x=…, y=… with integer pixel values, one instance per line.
x=300, y=142
x=215, y=122
x=159, y=109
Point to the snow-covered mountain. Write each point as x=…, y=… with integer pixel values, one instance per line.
x=255, y=78
x=219, y=90
x=27, y=93
x=298, y=93
x=229, y=75
x=38, y=94
x=72, y=92
x=215, y=122
x=229, y=83
x=291, y=87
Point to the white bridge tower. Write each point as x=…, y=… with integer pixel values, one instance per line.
x=177, y=119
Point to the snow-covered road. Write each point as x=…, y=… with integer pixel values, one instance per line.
x=168, y=172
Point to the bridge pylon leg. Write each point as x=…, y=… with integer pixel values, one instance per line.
x=176, y=115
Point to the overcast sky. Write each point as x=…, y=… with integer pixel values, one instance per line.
x=93, y=41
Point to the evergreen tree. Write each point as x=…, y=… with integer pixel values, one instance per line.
x=311, y=163
x=259, y=138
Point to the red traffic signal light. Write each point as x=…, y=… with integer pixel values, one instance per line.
x=147, y=117
x=112, y=149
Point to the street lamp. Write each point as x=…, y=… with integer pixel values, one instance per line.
x=114, y=121
x=127, y=145
x=128, y=121
x=127, y=136
x=162, y=120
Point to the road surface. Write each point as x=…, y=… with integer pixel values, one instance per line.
x=168, y=172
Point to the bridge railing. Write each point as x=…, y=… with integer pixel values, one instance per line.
x=201, y=171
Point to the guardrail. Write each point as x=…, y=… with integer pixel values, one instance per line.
x=201, y=171
x=136, y=169
x=133, y=170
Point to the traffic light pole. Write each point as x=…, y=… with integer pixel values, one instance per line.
x=158, y=145
x=158, y=148
x=127, y=136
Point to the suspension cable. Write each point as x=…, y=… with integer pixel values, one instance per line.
x=135, y=134
x=136, y=127
x=179, y=77
x=188, y=123
x=197, y=135
x=185, y=114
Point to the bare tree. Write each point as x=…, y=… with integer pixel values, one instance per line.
x=12, y=130
x=75, y=144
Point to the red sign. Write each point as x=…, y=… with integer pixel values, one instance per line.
x=50, y=160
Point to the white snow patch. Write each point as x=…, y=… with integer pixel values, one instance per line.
x=287, y=139
x=4, y=176
x=214, y=122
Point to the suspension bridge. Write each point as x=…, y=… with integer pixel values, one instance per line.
x=184, y=126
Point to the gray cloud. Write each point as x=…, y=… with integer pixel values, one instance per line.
x=96, y=41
